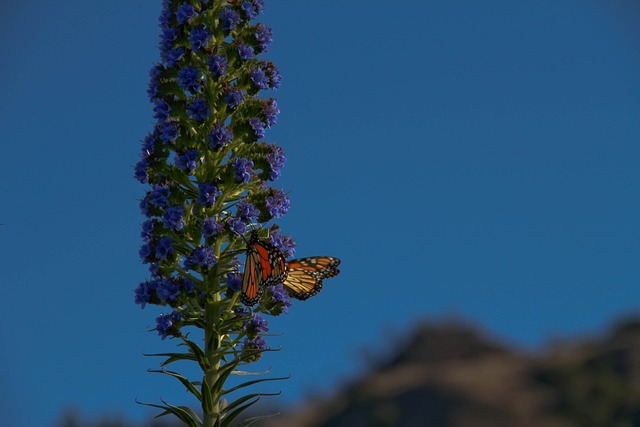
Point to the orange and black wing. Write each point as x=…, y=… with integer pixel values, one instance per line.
x=265, y=265
x=305, y=275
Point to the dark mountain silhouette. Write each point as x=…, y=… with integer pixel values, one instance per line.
x=451, y=375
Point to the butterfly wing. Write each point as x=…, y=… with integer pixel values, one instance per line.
x=265, y=265
x=305, y=275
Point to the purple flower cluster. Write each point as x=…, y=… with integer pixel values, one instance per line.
x=168, y=325
x=264, y=36
x=220, y=136
x=218, y=65
x=206, y=164
x=188, y=161
x=257, y=126
x=229, y=19
x=199, y=38
x=211, y=227
x=244, y=169
x=277, y=204
x=278, y=300
x=189, y=80
x=276, y=159
x=203, y=257
x=285, y=243
x=246, y=211
x=234, y=97
x=207, y=194
x=255, y=325
x=198, y=110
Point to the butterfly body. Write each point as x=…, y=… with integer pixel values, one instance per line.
x=265, y=265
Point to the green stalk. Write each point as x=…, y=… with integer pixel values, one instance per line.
x=212, y=342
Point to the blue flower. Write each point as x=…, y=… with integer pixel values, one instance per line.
x=141, y=171
x=285, y=243
x=145, y=207
x=148, y=227
x=278, y=204
x=159, y=196
x=148, y=145
x=207, y=194
x=141, y=294
x=167, y=37
x=259, y=78
x=188, y=161
x=274, y=76
x=237, y=226
x=167, y=289
x=276, y=159
x=256, y=325
x=173, y=218
x=271, y=112
x=211, y=227
x=234, y=282
x=279, y=301
x=256, y=344
x=145, y=253
x=185, y=13
x=220, y=136
x=259, y=4
x=249, y=9
x=246, y=211
x=172, y=57
x=218, y=65
x=229, y=19
x=165, y=18
x=164, y=248
x=161, y=110
x=245, y=51
x=189, y=79
x=257, y=126
x=198, y=110
x=264, y=35
x=168, y=325
x=203, y=257
x=233, y=97
x=154, y=81
x=199, y=38
x=168, y=132
x=244, y=169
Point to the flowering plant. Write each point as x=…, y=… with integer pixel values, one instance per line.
x=208, y=172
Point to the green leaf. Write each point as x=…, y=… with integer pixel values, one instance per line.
x=188, y=384
x=182, y=412
x=207, y=398
x=223, y=375
x=172, y=357
x=241, y=400
x=249, y=383
x=198, y=354
x=226, y=422
x=252, y=420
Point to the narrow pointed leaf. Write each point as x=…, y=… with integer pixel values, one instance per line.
x=249, y=383
x=179, y=412
x=226, y=422
x=236, y=403
x=188, y=384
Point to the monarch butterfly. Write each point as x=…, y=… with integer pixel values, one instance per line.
x=305, y=275
x=265, y=265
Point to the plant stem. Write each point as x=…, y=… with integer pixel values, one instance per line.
x=212, y=342
x=211, y=416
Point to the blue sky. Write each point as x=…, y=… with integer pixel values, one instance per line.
x=471, y=159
